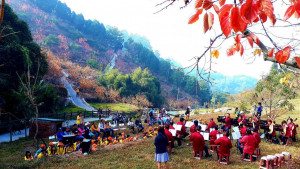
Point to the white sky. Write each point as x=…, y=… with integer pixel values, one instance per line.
x=168, y=32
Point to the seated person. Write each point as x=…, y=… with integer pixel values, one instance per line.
x=176, y=138
x=43, y=147
x=87, y=133
x=256, y=122
x=68, y=131
x=130, y=125
x=28, y=156
x=198, y=142
x=227, y=125
x=51, y=149
x=182, y=134
x=170, y=137
x=61, y=150
x=60, y=134
x=270, y=133
x=243, y=129
x=249, y=142
x=81, y=130
x=109, y=129
x=95, y=130
x=192, y=129
x=285, y=135
x=139, y=125
x=257, y=136
x=225, y=145
x=213, y=136
x=43, y=154
x=103, y=128
x=211, y=124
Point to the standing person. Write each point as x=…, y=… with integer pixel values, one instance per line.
x=211, y=124
x=188, y=111
x=225, y=145
x=259, y=110
x=99, y=113
x=254, y=110
x=237, y=112
x=77, y=92
x=151, y=115
x=79, y=119
x=161, y=142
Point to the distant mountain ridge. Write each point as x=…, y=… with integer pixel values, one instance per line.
x=222, y=83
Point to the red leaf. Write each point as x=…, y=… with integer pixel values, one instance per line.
x=270, y=53
x=205, y=23
x=224, y=10
x=297, y=8
x=225, y=24
x=216, y=8
x=210, y=20
x=263, y=16
x=255, y=38
x=235, y=18
x=241, y=1
x=199, y=11
x=241, y=49
x=283, y=55
x=297, y=60
x=207, y=4
x=249, y=11
x=222, y=2
x=231, y=51
x=267, y=6
x=250, y=40
x=238, y=38
x=256, y=20
x=198, y=3
x=289, y=12
x=194, y=18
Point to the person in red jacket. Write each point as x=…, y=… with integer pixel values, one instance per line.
x=243, y=129
x=249, y=142
x=256, y=122
x=285, y=135
x=256, y=135
x=177, y=137
x=225, y=145
x=198, y=142
x=171, y=139
x=192, y=129
x=182, y=134
x=211, y=124
x=213, y=136
x=227, y=126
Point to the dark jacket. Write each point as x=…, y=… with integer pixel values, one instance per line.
x=161, y=142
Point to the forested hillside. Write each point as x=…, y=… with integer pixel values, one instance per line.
x=87, y=50
x=23, y=66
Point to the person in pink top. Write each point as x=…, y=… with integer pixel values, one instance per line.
x=249, y=142
x=81, y=130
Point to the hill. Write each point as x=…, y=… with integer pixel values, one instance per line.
x=87, y=49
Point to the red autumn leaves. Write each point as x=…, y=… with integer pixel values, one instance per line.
x=283, y=55
x=293, y=9
x=232, y=17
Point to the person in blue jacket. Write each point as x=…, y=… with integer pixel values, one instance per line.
x=259, y=110
x=60, y=134
x=161, y=142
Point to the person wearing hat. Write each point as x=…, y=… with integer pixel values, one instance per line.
x=43, y=147
x=60, y=134
x=61, y=150
x=43, y=154
x=51, y=149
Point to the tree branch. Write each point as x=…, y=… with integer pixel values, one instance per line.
x=2, y=11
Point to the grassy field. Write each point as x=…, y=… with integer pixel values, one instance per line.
x=140, y=154
x=71, y=108
x=115, y=107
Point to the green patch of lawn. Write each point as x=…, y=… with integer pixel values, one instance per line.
x=115, y=107
x=71, y=108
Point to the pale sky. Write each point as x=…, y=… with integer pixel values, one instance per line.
x=168, y=32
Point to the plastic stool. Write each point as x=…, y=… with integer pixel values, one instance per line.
x=227, y=159
x=287, y=156
x=280, y=160
x=244, y=154
x=266, y=162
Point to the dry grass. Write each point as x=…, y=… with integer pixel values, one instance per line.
x=140, y=154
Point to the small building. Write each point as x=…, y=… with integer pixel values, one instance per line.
x=47, y=127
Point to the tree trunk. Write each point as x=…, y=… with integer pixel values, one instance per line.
x=36, y=124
